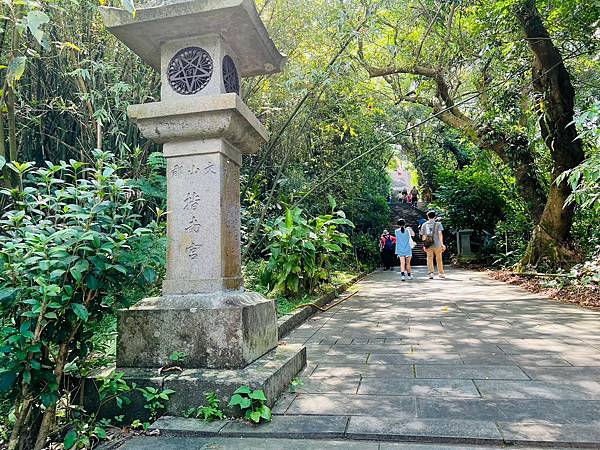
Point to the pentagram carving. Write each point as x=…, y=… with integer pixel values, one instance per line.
x=230, y=76
x=190, y=70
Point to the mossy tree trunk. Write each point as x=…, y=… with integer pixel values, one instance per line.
x=555, y=98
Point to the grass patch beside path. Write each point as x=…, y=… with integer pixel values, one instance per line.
x=287, y=305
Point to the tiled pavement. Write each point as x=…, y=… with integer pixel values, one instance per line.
x=465, y=359
x=461, y=361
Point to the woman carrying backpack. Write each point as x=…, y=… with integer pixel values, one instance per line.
x=433, y=243
x=387, y=243
x=404, y=246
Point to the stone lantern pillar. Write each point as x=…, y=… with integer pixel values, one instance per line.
x=201, y=49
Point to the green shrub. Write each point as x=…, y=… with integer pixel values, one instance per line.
x=252, y=403
x=302, y=250
x=64, y=243
x=367, y=249
x=471, y=199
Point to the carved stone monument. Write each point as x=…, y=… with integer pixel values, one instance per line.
x=202, y=48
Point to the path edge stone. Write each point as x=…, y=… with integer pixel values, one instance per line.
x=291, y=321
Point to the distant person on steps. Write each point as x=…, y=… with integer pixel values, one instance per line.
x=433, y=243
x=414, y=193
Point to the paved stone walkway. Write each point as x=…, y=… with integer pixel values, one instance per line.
x=464, y=360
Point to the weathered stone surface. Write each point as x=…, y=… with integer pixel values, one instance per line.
x=579, y=435
x=367, y=370
x=345, y=385
x=272, y=373
x=384, y=428
x=562, y=373
x=566, y=390
x=235, y=20
x=223, y=116
x=250, y=443
x=182, y=426
x=526, y=410
x=470, y=372
x=418, y=387
x=297, y=427
x=416, y=358
x=359, y=405
x=226, y=330
x=160, y=443
x=131, y=410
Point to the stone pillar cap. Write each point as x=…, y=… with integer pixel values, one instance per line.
x=236, y=21
x=213, y=116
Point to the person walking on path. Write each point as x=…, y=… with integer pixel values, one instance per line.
x=433, y=243
x=404, y=195
x=387, y=243
x=404, y=246
x=414, y=193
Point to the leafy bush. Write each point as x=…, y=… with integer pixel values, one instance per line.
x=302, y=250
x=251, y=403
x=366, y=248
x=64, y=243
x=471, y=199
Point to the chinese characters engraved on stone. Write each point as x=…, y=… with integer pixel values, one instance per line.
x=193, y=251
x=180, y=169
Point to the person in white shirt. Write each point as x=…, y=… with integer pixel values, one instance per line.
x=433, y=243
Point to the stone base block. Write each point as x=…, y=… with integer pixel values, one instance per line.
x=222, y=330
x=272, y=373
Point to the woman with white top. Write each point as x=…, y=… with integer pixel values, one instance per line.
x=404, y=246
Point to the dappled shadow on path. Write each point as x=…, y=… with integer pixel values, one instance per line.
x=467, y=356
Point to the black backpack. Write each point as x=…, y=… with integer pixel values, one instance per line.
x=389, y=245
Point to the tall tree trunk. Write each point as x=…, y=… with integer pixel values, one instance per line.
x=555, y=96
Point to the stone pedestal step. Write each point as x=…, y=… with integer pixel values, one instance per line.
x=386, y=429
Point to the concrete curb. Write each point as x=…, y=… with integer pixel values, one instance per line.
x=319, y=429
x=292, y=320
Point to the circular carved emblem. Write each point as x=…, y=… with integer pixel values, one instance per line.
x=231, y=79
x=190, y=70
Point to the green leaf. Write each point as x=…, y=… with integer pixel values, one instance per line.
x=332, y=202
x=255, y=416
x=265, y=412
x=16, y=69
x=92, y=282
x=236, y=399
x=149, y=274
x=7, y=379
x=70, y=439
x=258, y=395
x=243, y=390
x=7, y=295
x=35, y=19
x=81, y=311
x=100, y=432
x=245, y=403
x=35, y=364
x=49, y=398
x=56, y=273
